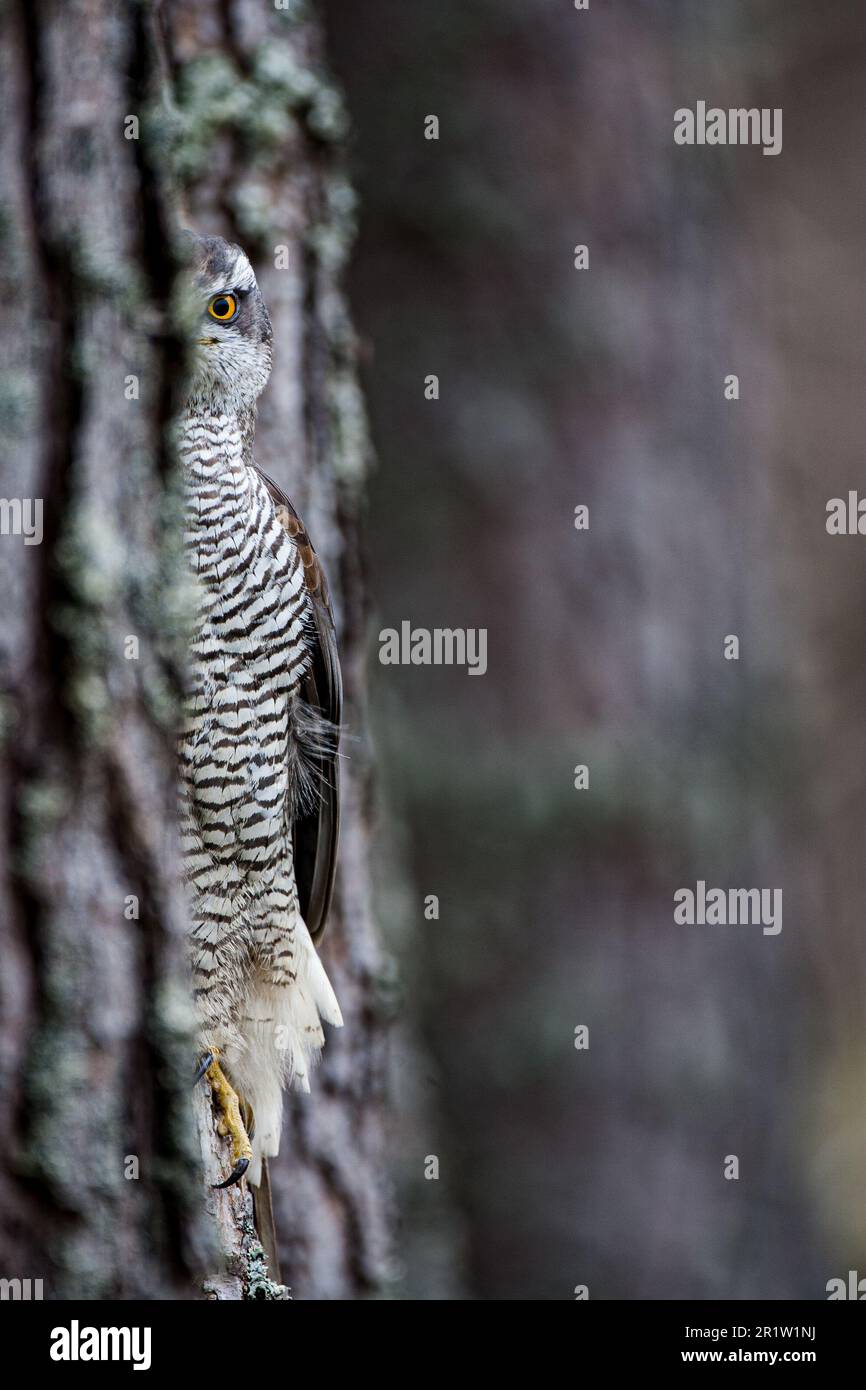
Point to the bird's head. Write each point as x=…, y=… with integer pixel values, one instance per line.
x=230, y=326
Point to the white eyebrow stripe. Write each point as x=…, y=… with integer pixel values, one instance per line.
x=243, y=278
x=240, y=276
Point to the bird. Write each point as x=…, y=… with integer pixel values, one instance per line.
x=259, y=742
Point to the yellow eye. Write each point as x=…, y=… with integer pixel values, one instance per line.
x=223, y=307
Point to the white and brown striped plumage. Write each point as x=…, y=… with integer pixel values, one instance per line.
x=259, y=794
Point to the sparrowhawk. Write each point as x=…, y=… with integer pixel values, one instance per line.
x=258, y=757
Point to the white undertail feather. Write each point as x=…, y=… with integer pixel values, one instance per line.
x=281, y=1039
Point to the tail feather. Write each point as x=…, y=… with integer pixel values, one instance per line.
x=264, y=1218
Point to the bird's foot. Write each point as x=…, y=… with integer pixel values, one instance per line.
x=230, y=1122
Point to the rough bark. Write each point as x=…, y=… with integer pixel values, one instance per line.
x=96, y=1049
x=95, y=1027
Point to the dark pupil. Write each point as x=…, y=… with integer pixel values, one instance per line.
x=222, y=308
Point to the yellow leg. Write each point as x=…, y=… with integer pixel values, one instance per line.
x=230, y=1122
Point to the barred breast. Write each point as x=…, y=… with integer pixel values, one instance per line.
x=251, y=648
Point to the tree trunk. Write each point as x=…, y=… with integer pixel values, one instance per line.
x=100, y=1176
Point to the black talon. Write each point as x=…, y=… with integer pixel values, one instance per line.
x=235, y=1175
x=202, y=1067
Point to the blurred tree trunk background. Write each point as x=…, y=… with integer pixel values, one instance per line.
x=120, y=123
x=605, y=387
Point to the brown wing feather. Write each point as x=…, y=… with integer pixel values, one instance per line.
x=315, y=835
